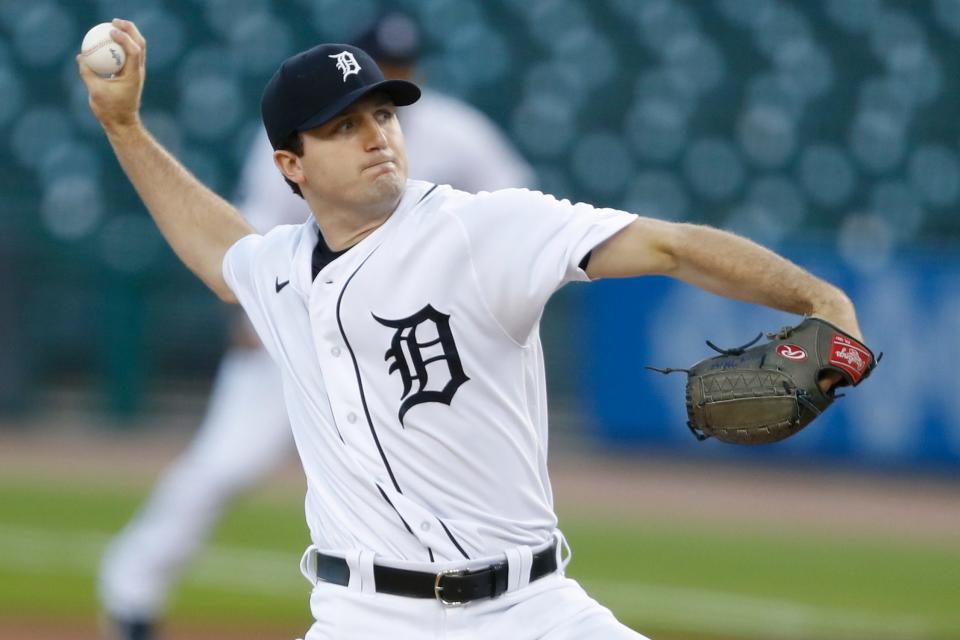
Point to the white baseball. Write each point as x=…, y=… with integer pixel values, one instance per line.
x=99, y=51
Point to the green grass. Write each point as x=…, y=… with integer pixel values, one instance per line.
x=840, y=583
x=667, y=580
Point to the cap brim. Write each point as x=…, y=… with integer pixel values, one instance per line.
x=402, y=93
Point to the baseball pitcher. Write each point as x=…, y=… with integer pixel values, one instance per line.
x=245, y=434
x=403, y=317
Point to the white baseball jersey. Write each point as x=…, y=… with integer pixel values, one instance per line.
x=412, y=366
x=450, y=142
x=447, y=142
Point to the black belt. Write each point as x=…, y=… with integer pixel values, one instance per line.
x=451, y=587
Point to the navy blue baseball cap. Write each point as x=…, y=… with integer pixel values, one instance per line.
x=313, y=86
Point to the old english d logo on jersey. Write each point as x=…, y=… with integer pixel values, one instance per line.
x=411, y=353
x=346, y=63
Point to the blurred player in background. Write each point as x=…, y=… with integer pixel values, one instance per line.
x=245, y=435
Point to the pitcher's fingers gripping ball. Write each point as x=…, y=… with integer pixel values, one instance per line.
x=115, y=100
x=762, y=394
x=100, y=52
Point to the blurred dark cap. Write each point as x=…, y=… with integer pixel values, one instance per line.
x=394, y=38
x=313, y=86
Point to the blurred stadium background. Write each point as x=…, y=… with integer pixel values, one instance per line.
x=825, y=129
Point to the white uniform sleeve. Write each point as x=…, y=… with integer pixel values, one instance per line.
x=495, y=164
x=263, y=196
x=450, y=142
x=487, y=160
x=525, y=245
x=238, y=272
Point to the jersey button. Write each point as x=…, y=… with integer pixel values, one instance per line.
x=351, y=417
x=335, y=352
x=424, y=526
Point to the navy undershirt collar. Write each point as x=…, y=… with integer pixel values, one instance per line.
x=323, y=255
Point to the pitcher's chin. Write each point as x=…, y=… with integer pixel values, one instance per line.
x=386, y=185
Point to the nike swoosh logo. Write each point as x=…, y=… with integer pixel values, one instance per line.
x=281, y=285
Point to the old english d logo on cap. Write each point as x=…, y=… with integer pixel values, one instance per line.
x=314, y=85
x=346, y=63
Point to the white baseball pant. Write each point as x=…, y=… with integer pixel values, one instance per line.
x=244, y=436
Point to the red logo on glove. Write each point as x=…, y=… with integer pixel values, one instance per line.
x=792, y=352
x=850, y=356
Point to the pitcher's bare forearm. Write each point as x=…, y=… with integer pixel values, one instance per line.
x=738, y=268
x=199, y=225
x=722, y=263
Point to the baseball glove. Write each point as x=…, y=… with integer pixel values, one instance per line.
x=765, y=393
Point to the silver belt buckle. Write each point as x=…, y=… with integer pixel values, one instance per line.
x=438, y=589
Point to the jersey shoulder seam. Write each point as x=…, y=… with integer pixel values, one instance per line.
x=476, y=280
